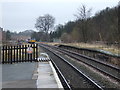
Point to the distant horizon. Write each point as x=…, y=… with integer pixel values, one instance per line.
x=21, y=16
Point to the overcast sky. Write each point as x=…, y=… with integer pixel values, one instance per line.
x=20, y=16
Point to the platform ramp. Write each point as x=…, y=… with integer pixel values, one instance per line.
x=43, y=57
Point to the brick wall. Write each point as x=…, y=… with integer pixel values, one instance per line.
x=1, y=30
x=2, y=35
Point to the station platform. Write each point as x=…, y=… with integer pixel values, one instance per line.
x=47, y=76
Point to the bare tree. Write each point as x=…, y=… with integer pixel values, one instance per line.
x=83, y=13
x=118, y=22
x=82, y=16
x=45, y=23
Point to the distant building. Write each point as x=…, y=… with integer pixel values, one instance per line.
x=57, y=40
x=20, y=37
x=2, y=35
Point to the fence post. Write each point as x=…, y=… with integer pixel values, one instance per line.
x=25, y=53
x=31, y=54
x=28, y=55
x=11, y=54
x=22, y=53
x=14, y=55
x=36, y=51
x=2, y=60
x=8, y=54
x=17, y=54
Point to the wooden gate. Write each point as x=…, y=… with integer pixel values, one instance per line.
x=15, y=54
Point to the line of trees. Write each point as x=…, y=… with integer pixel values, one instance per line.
x=101, y=27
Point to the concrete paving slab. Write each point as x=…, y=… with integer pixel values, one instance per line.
x=46, y=78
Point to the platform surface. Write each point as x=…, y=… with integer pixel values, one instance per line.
x=18, y=75
x=46, y=77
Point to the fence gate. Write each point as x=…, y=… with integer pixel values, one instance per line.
x=20, y=53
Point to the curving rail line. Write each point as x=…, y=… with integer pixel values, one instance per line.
x=107, y=69
x=88, y=82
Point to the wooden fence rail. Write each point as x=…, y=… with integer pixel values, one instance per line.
x=15, y=54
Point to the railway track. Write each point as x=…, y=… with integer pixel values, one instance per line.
x=74, y=77
x=109, y=70
x=62, y=78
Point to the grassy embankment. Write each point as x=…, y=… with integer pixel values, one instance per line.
x=111, y=49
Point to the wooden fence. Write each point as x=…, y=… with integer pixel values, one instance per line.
x=15, y=54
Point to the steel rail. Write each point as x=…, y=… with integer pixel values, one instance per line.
x=105, y=72
x=65, y=85
x=87, y=57
x=74, y=53
x=85, y=76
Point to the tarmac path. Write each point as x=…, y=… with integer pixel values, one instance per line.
x=18, y=75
